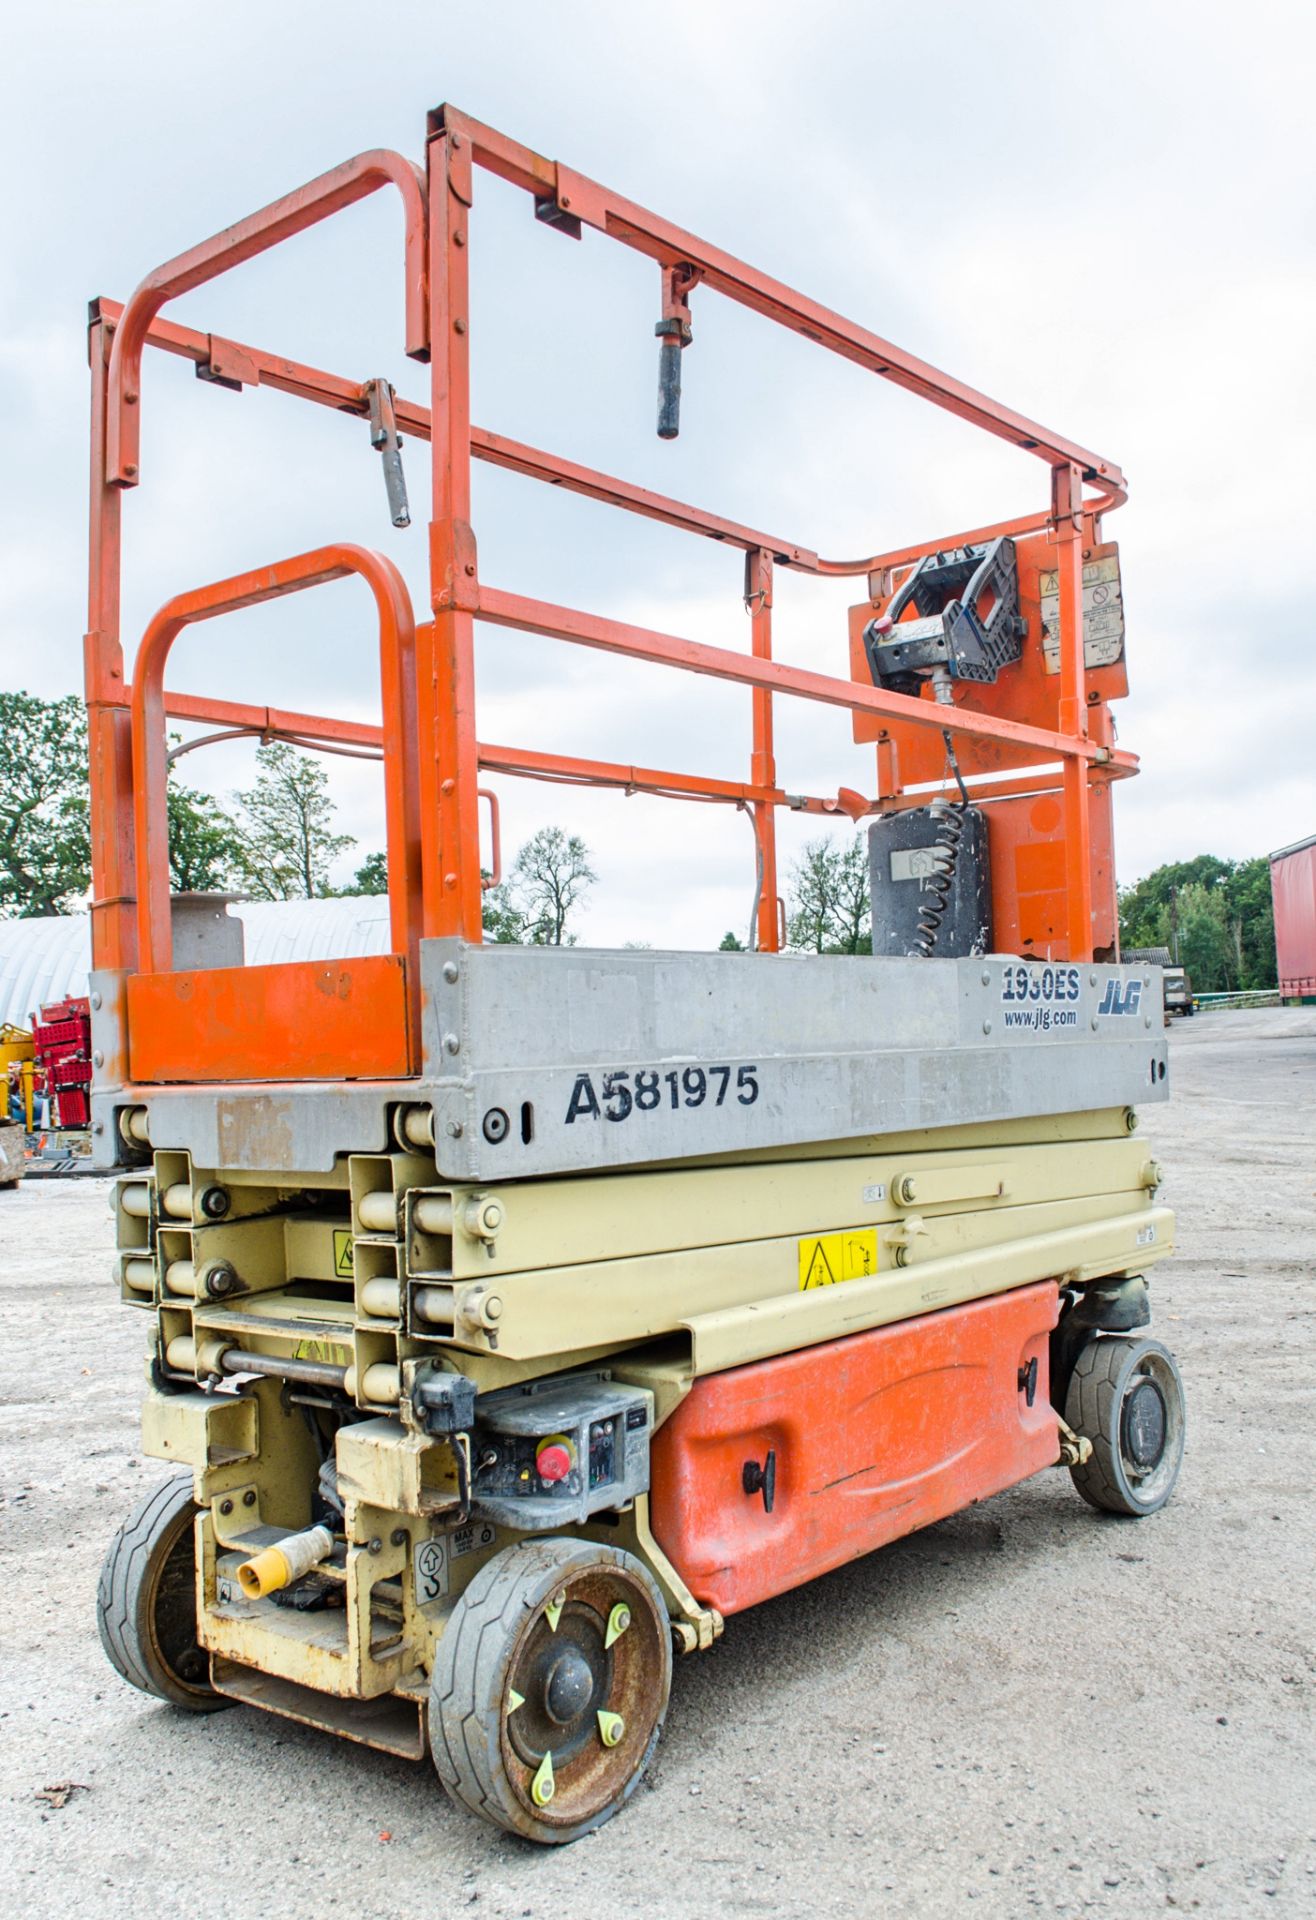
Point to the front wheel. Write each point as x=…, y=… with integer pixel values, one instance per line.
x=1126, y=1397
x=550, y=1686
x=146, y=1601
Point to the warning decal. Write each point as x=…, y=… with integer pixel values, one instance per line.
x=1103, y=611
x=342, y=1253
x=829, y=1258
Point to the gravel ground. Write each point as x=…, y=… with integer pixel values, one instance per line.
x=1028, y=1707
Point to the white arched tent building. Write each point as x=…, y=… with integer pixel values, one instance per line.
x=46, y=960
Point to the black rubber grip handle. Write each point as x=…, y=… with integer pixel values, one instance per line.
x=669, y=389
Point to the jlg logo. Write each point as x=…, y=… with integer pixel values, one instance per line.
x=1121, y=996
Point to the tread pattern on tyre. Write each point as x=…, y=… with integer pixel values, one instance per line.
x=465, y=1692
x=120, y=1593
x=1090, y=1410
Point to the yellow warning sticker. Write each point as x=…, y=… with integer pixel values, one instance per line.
x=829, y=1258
x=342, y=1253
x=321, y=1350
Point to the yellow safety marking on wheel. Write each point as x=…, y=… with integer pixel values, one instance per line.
x=826, y=1259
x=553, y=1611
x=611, y=1728
x=342, y=1253
x=514, y=1699
x=618, y=1621
x=544, y=1786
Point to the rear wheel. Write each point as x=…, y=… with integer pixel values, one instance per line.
x=1126, y=1397
x=146, y=1601
x=550, y=1687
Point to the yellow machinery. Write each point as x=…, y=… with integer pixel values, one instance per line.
x=18, y=1069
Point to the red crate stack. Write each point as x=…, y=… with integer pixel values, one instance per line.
x=73, y=1105
x=62, y=1045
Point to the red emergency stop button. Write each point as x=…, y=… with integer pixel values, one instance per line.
x=553, y=1460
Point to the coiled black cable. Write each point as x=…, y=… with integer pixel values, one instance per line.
x=948, y=816
x=935, y=898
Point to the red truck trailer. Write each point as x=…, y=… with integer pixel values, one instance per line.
x=1293, y=886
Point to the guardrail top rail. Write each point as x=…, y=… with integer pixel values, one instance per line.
x=432, y=753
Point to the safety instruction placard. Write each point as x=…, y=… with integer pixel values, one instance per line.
x=342, y=1253
x=1103, y=612
x=827, y=1259
x=433, y=1558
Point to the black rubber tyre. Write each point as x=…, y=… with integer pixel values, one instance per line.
x=539, y=1614
x=146, y=1602
x=1126, y=1397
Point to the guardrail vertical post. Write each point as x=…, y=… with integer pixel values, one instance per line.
x=449, y=755
x=763, y=765
x=109, y=727
x=1067, y=509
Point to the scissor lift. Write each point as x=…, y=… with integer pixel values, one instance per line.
x=519, y=1314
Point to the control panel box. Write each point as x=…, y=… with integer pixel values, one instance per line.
x=552, y=1452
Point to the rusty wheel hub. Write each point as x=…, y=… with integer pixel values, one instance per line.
x=584, y=1695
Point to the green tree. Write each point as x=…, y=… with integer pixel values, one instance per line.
x=1251, y=910
x=1204, y=945
x=811, y=897
x=730, y=944
x=550, y=876
x=288, y=842
x=853, y=919
x=45, y=837
x=502, y=919
x=1217, y=915
x=205, y=847
x=372, y=875
x=827, y=905
x=1142, y=906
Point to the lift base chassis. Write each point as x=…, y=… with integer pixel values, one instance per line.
x=786, y=1323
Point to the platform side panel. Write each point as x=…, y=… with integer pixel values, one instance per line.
x=304, y=1020
x=553, y=1061
x=873, y=1436
x=550, y=1061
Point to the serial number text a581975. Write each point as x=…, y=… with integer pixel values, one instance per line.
x=622, y=1094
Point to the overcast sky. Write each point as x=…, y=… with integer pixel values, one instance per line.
x=1102, y=217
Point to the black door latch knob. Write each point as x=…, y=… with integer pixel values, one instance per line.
x=761, y=1479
